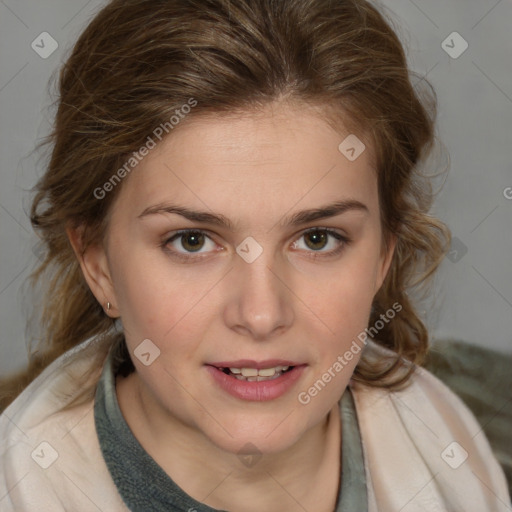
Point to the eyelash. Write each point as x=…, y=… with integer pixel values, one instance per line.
x=344, y=242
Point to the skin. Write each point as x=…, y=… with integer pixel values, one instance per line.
x=255, y=169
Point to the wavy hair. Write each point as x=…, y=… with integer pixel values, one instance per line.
x=138, y=61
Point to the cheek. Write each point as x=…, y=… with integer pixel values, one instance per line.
x=149, y=297
x=344, y=302
x=159, y=302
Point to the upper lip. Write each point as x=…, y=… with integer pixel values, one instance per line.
x=249, y=363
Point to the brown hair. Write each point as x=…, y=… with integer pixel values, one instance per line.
x=140, y=60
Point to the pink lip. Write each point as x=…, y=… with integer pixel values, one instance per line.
x=249, y=363
x=256, y=391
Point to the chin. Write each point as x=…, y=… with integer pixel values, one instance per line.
x=268, y=435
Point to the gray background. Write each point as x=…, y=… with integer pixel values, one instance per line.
x=472, y=294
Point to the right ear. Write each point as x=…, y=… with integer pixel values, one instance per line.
x=94, y=264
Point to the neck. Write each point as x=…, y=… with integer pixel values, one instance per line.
x=305, y=476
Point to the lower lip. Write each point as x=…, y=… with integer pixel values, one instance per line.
x=256, y=391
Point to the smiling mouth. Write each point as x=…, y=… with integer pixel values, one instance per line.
x=256, y=380
x=256, y=375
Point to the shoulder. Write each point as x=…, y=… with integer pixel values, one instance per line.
x=51, y=459
x=72, y=374
x=424, y=443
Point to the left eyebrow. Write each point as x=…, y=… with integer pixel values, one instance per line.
x=297, y=219
x=324, y=212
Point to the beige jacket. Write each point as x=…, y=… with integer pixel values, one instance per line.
x=423, y=449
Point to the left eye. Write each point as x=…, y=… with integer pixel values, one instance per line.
x=317, y=239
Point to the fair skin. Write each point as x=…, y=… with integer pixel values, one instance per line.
x=257, y=170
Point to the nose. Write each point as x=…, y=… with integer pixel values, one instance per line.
x=261, y=305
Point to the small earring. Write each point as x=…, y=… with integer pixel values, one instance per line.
x=108, y=306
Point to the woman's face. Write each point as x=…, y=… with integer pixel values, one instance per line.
x=263, y=279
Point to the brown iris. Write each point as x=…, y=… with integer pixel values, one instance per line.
x=192, y=241
x=318, y=237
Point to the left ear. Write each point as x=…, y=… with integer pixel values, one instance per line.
x=385, y=262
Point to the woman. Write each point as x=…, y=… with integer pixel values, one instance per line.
x=234, y=215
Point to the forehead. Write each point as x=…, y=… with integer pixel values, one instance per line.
x=270, y=158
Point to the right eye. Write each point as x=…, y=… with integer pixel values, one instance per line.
x=190, y=241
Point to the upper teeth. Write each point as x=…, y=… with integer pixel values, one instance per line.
x=254, y=372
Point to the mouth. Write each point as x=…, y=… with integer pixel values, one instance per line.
x=257, y=381
x=255, y=374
